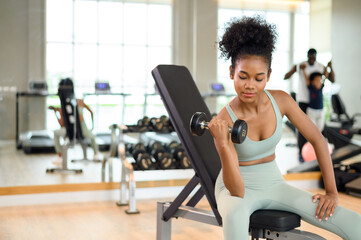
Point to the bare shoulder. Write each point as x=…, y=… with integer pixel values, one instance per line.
x=279, y=95
x=284, y=100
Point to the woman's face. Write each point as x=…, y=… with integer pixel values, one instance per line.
x=250, y=76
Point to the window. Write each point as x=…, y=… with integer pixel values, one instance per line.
x=116, y=41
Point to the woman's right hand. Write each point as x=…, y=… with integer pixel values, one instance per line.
x=220, y=131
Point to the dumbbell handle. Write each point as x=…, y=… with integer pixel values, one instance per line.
x=204, y=125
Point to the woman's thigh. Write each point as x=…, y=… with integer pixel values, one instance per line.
x=344, y=222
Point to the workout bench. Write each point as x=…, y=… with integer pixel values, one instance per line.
x=182, y=99
x=71, y=119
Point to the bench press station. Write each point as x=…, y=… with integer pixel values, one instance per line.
x=182, y=99
x=69, y=107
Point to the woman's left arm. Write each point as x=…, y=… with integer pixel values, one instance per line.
x=327, y=202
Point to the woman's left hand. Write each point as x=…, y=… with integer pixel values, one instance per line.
x=326, y=205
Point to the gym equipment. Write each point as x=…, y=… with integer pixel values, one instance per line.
x=216, y=88
x=143, y=160
x=354, y=187
x=38, y=87
x=143, y=124
x=19, y=138
x=69, y=107
x=167, y=123
x=179, y=155
x=198, y=125
x=41, y=141
x=103, y=140
x=163, y=159
x=102, y=87
x=181, y=99
x=339, y=132
x=308, y=153
x=156, y=124
x=116, y=137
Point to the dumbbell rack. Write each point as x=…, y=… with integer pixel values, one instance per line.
x=118, y=147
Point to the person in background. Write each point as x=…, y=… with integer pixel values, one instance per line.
x=303, y=96
x=315, y=84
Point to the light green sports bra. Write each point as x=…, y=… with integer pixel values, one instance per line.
x=252, y=150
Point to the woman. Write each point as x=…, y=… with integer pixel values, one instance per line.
x=250, y=179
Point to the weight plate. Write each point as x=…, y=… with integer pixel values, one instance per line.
x=239, y=131
x=195, y=124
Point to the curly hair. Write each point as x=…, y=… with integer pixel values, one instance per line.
x=248, y=36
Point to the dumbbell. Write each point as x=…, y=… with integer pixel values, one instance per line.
x=178, y=153
x=142, y=159
x=167, y=123
x=163, y=159
x=156, y=124
x=198, y=125
x=143, y=124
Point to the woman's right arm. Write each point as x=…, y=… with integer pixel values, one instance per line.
x=232, y=177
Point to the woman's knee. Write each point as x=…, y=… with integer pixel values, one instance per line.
x=233, y=209
x=350, y=223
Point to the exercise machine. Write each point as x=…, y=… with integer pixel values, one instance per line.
x=182, y=99
x=69, y=108
x=41, y=141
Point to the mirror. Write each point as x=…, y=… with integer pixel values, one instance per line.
x=50, y=40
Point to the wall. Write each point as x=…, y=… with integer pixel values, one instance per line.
x=320, y=25
x=346, y=50
x=21, y=59
x=195, y=36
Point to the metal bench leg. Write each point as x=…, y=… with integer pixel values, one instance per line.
x=132, y=200
x=123, y=188
x=164, y=229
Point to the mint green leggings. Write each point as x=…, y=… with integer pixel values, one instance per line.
x=267, y=189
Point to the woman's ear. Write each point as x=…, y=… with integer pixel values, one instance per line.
x=231, y=72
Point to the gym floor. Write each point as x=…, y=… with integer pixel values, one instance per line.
x=104, y=220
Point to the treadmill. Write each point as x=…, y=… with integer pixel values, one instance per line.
x=41, y=141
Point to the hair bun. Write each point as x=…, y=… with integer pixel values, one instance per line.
x=248, y=36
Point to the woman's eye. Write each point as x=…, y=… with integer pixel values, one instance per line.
x=259, y=80
x=243, y=78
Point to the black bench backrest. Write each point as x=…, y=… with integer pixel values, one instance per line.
x=182, y=99
x=69, y=108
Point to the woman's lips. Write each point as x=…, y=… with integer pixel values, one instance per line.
x=248, y=94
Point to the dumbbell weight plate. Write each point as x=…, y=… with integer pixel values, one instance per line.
x=164, y=119
x=144, y=162
x=156, y=124
x=154, y=145
x=138, y=148
x=195, y=124
x=172, y=145
x=183, y=160
x=143, y=124
x=239, y=131
x=165, y=161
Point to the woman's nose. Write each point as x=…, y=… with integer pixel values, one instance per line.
x=249, y=84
